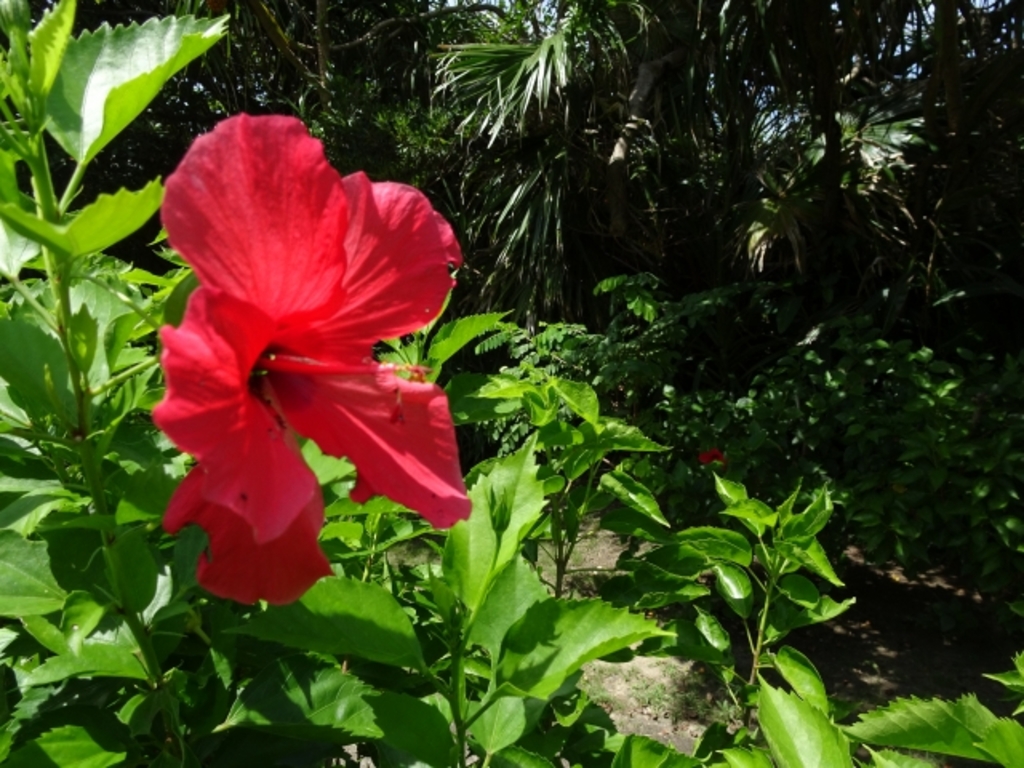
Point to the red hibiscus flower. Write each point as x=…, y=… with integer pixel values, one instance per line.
x=706, y=457
x=301, y=272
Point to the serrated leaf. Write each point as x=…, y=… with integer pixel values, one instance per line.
x=746, y=758
x=1004, y=742
x=811, y=555
x=515, y=589
x=82, y=614
x=581, y=398
x=889, y=759
x=16, y=250
x=110, y=75
x=757, y=515
x=517, y=757
x=26, y=224
x=717, y=544
x=108, y=220
x=27, y=586
x=69, y=745
x=32, y=357
x=506, y=504
x=301, y=698
x=800, y=590
x=48, y=41
x=132, y=569
x=414, y=727
x=801, y=674
x=799, y=735
x=616, y=436
x=643, y=752
x=555, y=638
x=111, y=218
x=342, y=616
x=949, y=728
x=812, y=520
x=728, y=491
x=453, y=336
x=93, y=660
x=633, y=494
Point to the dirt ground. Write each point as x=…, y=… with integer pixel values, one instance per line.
x=924, y=636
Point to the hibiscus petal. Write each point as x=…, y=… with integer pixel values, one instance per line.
x=211, y=410
x=398, y=433
x=400, y=252
x=278, y=571
x=259, y=213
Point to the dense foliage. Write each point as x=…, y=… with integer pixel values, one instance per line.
x=720, y=254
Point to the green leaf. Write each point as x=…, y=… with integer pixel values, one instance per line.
x=16, y=250
x=746, y=758
x=616, y=436
x=174, y=307
x=811, y=555
x=34, y=365
x=717, y=544
x=555, y=638
x=581, y=398
x=301, y=698
x=453, y=336
x=505, y=721
x=627, y=522
x=800, y=673
x=643, y=752
x=799, y=735
x=82, y=614
x=69, y=745
x=889, y=759
x=729, y=492
x=812, y=520
x=48, y=41
x=517, y=757
x=800, y=590
x=685, y=640
x=108, y=220
x=45, y=633
x=414, y=727
x=949, y=728
x=1004, y=742
x=340, y=616
x=633, y=494
x=27, y=224
x=506, y=504
x=83, y=337
x=111, y=218
x=515, y=589
x=756, y=515
x=734, y=586
x=713, y=631
x=133, y=569
x=110, y=75
x=27, y=586
x=93, y=660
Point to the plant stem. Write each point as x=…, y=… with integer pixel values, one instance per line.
x=127, y=300
x=31, y=300
x=458, y=697
x=124, y=375
x=58, y=269
x=149, y=658
x=72, y=188
x=762, y=625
